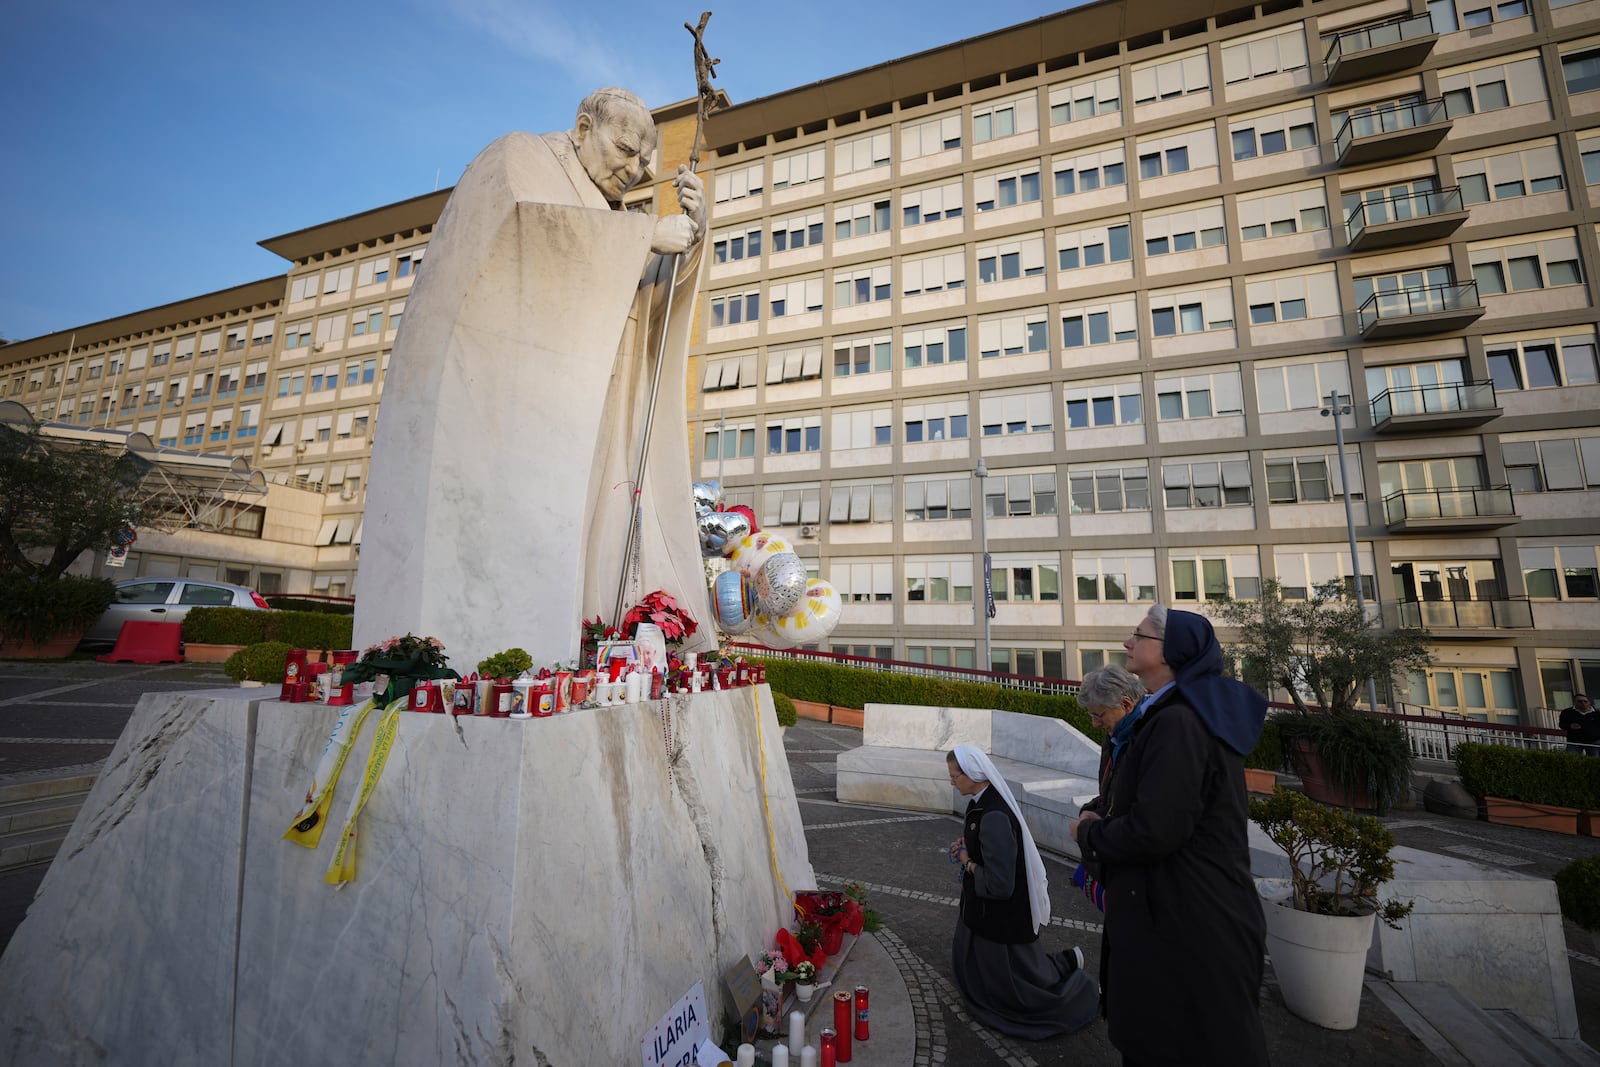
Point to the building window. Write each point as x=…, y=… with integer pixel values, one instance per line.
x=1000, y=261
x=936, y=580
x=1280, y=214
x=1099, y=325
x=935, y=421
x=1527, y=265
x=1561, y=572
x=1287, y=297
x=863, y=581
x=941, y=656
x=1264, y=55
x=1306, y=480
x=1269, y=135
x=1115, y=577
x=731, y=246
x=729, y=442
x=861, y=502
x=938, y=499
x=1019, y=494
x=866, y=284
x=925, y=137
x=1004, y=118
x=1216, y=576
x=934, y=345
x=1108, y=490
x=1105, y=404
x=931, y=203
x=1007, y=414
x=865, y=152
x=1553, y=464
x=409, y=263
x=1304, y=570
x=1198, y=396
x=1171, y=78
x=1184, y=231
x=861, y=428
x=1493, y=88
x=730, y=309
x=1093, y=246
x=1191, y=312
x=791, y=505
x=1085, y=99
x=1206, y=483
x=861, y=219
x=797, y=364
x=795, y=434
x=735, y=372
x=799, y=168
x=797, y=231
x=1006, y=188
x=1299, y=386
x=1084, y=173
x=1542, y=364
x=1581, y=71
x=798, y=296
x=297, y=335
x=1026, y=581
x=1509, y=175
x=862, y=355
x=1013, y=334
x=738, y=183
x=933, y=273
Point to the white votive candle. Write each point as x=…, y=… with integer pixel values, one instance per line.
x=747, y=1056
x=780, y=1056
x=797, y=1033
x=808, y=1057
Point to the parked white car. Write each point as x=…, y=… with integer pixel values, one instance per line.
x=164, y=600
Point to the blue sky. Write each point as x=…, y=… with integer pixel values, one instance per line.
x=149, y=146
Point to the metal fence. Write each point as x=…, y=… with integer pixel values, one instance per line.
x=1050, y=686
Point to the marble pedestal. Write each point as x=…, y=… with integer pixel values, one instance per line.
x=532, y=892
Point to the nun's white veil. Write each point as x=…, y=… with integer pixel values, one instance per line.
x=975, y=764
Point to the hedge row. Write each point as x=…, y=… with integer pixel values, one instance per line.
x=294, y=603
x=854, y=687
x=248, y=626
x=1561, y=779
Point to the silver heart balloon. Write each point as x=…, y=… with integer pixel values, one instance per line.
x=720, y=531
x=781, y=585
x=707, y=495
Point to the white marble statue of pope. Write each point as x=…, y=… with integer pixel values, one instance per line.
x=500, y=489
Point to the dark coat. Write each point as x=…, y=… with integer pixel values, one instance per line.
x=1184, y=936
x=994, y=902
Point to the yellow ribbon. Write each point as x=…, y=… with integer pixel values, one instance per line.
x=766, y=802
x=305, y=828
x=342, y=869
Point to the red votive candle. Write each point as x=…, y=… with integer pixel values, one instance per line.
x=843, y=1015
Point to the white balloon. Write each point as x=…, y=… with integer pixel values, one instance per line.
x=818, y=613
x=753, y=551
x=781, y=585
x=764, y=632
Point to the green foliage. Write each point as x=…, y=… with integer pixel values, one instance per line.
x=1337, y=859
x=1320, y=646
x=58, y=500
x=870, y=920
x=1560, y=779
x=853, y=687
x=1357, y=750
x=787, y=716
x=261, y=662
x=225, y=626
x=508, y=664
x=1268, y=753
x=327, y=607
x=247, y=626
x=1578, y=888
x=38, y=609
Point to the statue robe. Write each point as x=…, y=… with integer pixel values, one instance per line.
x=500, y=488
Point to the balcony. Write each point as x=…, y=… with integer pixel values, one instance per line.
x=1424, y=408
x=1475, y=618
x=1373, y=51
x=1419, y=310
x=1448, y=509
x=1390, y=132
x=1405, y=220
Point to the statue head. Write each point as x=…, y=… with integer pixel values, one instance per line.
x=614, y=135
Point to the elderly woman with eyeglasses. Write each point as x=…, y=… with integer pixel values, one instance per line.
x=1112, y=698
x=1181, y=949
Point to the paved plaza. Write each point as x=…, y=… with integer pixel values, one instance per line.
x=60, y=716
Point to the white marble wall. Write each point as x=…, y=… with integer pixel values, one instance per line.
x=537, y=891
x=917, y=726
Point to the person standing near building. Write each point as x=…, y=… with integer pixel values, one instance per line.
x=1009, y=982
x=1181, y=952
x=1582, y=724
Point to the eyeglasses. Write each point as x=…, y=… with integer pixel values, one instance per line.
x=1136, y=635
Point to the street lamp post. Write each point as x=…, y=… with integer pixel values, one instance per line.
x=982, y=473
x=1337, y=406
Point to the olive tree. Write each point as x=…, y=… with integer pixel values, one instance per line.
x=59, y=499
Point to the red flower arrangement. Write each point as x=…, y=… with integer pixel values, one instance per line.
x=660, y=608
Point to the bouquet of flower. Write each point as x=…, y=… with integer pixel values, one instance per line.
x=771, y=962
x=805, y=972
x=660, y=608
x=404, y=661
x=594, y=631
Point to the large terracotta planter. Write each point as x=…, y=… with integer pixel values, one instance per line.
x=1259, y=781
x=1535, y=816
x=1319, y=786
x=847, y=716
x=199, y=652
x=810, y=709
x=59, y=647
x=1320, y=960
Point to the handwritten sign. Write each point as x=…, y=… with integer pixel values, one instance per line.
x=673, y=1040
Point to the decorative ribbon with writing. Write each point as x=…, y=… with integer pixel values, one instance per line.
x=306, y=827
x=342, y=869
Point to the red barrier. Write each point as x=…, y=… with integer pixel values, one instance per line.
x=147, y=642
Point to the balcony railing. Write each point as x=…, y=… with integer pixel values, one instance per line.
x=1392, y=130
x=1386, y=48
x=1434, y=407
x=1421, y=216
x=1420, y=309
x=1445, y=508
x=1510, y=614
x=1435, y=736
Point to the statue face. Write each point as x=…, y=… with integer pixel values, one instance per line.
x=616, y=153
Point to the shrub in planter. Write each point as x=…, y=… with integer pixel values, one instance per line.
x=1268, y=754
x=327, y=607
x=787, y=716
x=225, y=626
x=38, y=609
x=310, y=629
x=260, y=662
x=1359, y=752
x=1556, y=779
x=1578, y=889
x=1337, y=860
x=508, y=664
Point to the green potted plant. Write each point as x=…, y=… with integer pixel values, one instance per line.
x=44, y=617
x=1556, y=791
x=804, y=977
x=1319, y=925
x=1321, y=651
x=257, y=664
x=505, y=665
